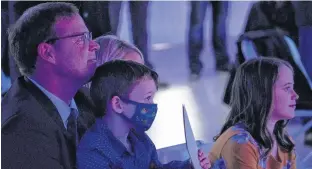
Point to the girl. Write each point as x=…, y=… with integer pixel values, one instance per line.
x=262, y=102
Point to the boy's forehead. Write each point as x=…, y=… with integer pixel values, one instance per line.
x=142, y=86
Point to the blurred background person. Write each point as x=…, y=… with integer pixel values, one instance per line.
x=139, y=28
x=303, y=14
x=95, y=14
x=273, y=14
x=139, y=14
x=196, y=35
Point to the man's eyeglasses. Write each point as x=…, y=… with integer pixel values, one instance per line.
x=86, y=37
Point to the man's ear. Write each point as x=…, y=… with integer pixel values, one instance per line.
x=117, y=104
x=46, y=52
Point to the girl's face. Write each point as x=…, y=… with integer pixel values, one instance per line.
x=284, y=96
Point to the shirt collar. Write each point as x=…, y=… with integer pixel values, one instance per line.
x=63, y=108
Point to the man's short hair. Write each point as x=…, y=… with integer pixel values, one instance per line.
x=34, y=27
x=115, y=78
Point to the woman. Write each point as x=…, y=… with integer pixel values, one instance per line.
x=113, y=48
x=262, y=102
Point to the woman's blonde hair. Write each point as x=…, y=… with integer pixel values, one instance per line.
x=113, y=48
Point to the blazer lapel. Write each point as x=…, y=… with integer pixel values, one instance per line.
x=85, y=108
x=46, y=103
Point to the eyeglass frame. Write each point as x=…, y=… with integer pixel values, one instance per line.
x=88, y=34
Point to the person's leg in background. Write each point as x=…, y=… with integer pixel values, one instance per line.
x=220, y=12
x=114, y=8
x=139, y=15
x=140, y=33
x=305, y=36
x=196, y=37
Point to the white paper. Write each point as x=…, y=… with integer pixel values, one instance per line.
x=190, y=141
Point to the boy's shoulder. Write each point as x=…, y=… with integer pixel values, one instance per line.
x=94, y=138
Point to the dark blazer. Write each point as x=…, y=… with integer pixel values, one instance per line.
x=33, y=134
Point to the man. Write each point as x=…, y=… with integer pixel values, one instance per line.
x=93, y=12
x=55, y=54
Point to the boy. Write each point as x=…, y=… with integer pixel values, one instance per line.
x=123, y=93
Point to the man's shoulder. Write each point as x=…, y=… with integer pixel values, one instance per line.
x=23, y=117
x=20, y=109
x=15, y=103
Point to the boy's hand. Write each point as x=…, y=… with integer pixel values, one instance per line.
x=204, y=161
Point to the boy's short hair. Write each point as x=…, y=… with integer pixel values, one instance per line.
x=115, y=78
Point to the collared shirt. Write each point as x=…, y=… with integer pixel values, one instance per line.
x=99, y=148
x=63, y=108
